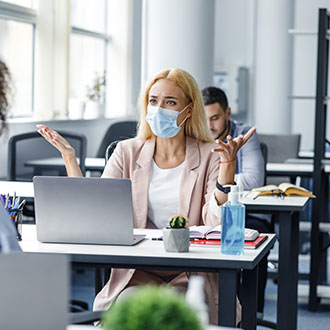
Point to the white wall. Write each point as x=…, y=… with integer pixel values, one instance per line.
x=179, y=34
x=235, y=45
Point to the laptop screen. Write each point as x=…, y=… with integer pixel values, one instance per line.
x=34, y=291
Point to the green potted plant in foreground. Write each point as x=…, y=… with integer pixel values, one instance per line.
x=152, y=308
x=176, y=235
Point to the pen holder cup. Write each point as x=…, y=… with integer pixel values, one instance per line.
x=16, y=218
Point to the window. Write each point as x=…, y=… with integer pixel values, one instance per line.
x=57, y=49
x=88, y=47
x=23, y=3
x=17, y=26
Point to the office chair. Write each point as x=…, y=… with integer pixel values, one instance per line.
x=110, y=149
x=264, y=151
x=120, y=130
x=32, y=146
x=280, y=148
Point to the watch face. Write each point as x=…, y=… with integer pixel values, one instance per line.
x=226, y=190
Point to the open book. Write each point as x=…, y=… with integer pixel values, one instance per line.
x=208, y=232
x=288, y=189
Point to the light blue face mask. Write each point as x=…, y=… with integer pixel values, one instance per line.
x=163, y=122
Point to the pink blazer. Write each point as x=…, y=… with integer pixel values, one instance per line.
x=132, y=159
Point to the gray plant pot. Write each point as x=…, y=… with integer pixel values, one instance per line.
x=176, y=239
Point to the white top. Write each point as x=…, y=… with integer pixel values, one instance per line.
x=163, y=196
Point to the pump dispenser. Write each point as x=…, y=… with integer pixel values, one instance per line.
x=240, y=186
x=233, y=224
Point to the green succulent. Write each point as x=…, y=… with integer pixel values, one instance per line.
x=152, y=308
x=178, y=221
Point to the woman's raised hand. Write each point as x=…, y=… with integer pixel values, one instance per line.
x=58, y=141
x=228, y=150
x=64, y=147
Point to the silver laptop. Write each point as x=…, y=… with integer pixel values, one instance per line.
x=34, y=291
x=84, y=210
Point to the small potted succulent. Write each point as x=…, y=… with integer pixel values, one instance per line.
x=176, y=235
x=151, y=308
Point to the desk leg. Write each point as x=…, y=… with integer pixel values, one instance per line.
x=227, y=297
x=249, y=298
x=318, y=255
x=288, y=271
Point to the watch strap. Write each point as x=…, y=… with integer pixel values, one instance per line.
x=225, y=189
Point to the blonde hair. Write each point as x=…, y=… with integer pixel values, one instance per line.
x=196, y=125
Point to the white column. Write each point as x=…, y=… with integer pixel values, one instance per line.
x=179, y=33
x=273, y=66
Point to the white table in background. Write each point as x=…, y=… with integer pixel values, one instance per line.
x=23, y=189
x=57, y=163
x=310, y=154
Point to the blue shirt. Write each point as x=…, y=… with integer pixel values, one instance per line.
x=250, y=162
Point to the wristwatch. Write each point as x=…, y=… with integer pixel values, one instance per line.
x=226, y=188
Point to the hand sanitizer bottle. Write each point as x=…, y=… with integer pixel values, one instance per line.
x=233, y=224
x=195, y=297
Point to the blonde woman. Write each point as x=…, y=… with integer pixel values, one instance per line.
x=173, y=164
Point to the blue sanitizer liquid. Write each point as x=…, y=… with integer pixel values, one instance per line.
x=233, y=225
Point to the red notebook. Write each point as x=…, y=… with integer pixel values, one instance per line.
x=215, y=243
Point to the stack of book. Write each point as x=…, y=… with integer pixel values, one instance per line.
x=208, y=236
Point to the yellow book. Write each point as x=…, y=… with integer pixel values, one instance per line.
x=287, y=189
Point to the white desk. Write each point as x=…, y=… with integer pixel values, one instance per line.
x=57, y=163
x=288, y=209
x=23, y=189
x=293, y=169
x=151, y=255
x=267, y=203
x=305, y=161
x=310, y=154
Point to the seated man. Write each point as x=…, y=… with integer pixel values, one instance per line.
x=249, y=164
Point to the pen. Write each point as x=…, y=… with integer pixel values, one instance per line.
x=161, y=238
x=17, y=202
x=6, y=202
x=22, y=204
x=3, y=199
x=13, y=200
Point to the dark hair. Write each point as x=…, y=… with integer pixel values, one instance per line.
x=213, y=95
x=5, y=80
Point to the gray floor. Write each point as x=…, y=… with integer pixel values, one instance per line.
x=83, y=289
x=306, y=320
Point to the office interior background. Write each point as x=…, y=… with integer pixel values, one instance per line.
x=262, y=53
